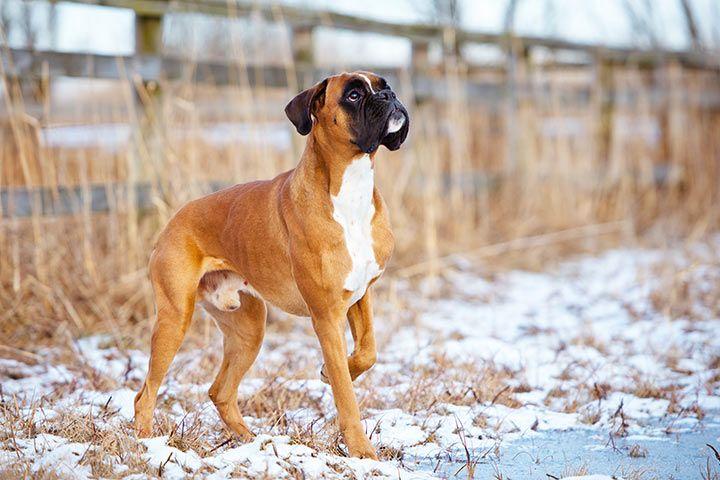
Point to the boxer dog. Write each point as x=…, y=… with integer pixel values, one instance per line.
x=311, y=241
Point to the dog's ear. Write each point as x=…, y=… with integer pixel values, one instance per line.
x=301, y=108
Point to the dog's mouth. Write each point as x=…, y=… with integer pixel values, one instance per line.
x=395, y=122
x=389, y=127
x=396, y=128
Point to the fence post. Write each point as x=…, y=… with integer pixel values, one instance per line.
x=148, y=41
x=420, y=55
x=606, y=98
x=148, y=34
x=517, y=59
x=303, y=55
x=146, y=138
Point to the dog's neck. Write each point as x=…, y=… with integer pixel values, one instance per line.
x=322, y=165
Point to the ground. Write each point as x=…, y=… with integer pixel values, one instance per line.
x=604, y=367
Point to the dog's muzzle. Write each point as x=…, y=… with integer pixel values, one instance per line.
x=395, y=121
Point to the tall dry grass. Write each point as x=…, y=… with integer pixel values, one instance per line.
x=558, y=169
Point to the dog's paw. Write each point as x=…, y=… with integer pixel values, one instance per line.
x=143, y=430
x=363, y=451
x=358, y=443
x=245, y=437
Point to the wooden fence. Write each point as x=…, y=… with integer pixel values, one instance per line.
x=150, y=64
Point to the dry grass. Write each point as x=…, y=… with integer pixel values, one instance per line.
x=637, y=451
x=107, y=445
x=688, y=289
x=111, y=442
x=449, y=382
x=709, y=471
x=452, y=189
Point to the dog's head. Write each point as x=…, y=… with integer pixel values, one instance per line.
x=359, y=109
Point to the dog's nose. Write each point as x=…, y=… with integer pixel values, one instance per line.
x=386, y=95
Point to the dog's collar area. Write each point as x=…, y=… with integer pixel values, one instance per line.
x=374, y=146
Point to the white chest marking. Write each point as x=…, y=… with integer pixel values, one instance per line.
x=353, y=209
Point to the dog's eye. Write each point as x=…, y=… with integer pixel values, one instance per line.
x=353, y=96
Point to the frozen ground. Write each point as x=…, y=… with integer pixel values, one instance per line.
x=606, y=366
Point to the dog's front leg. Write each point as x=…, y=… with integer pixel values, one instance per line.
x=361, y=324
x=329, y=327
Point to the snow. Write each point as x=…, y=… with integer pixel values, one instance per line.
x=592, y=477
x=123, y=400
x=158, y=453
x=54, y=452
x=578, y=348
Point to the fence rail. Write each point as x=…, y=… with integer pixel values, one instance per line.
x=417, y=33
x=19, y=202
x=23, y=202
x=148, y=63
x=25, y=63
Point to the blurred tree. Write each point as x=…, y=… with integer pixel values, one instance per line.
x=550, y=17
x=511, y=147
x=641, y=15
x=5, y=23
x=715, y=25
x=446, y=13
x=26, y=19
x=443, y=12
x=509, y=17
x=692, y=27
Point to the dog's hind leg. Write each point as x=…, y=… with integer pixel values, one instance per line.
x=174, y=275
x=243, y=332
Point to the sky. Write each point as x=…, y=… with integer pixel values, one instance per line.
x=110, y=31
